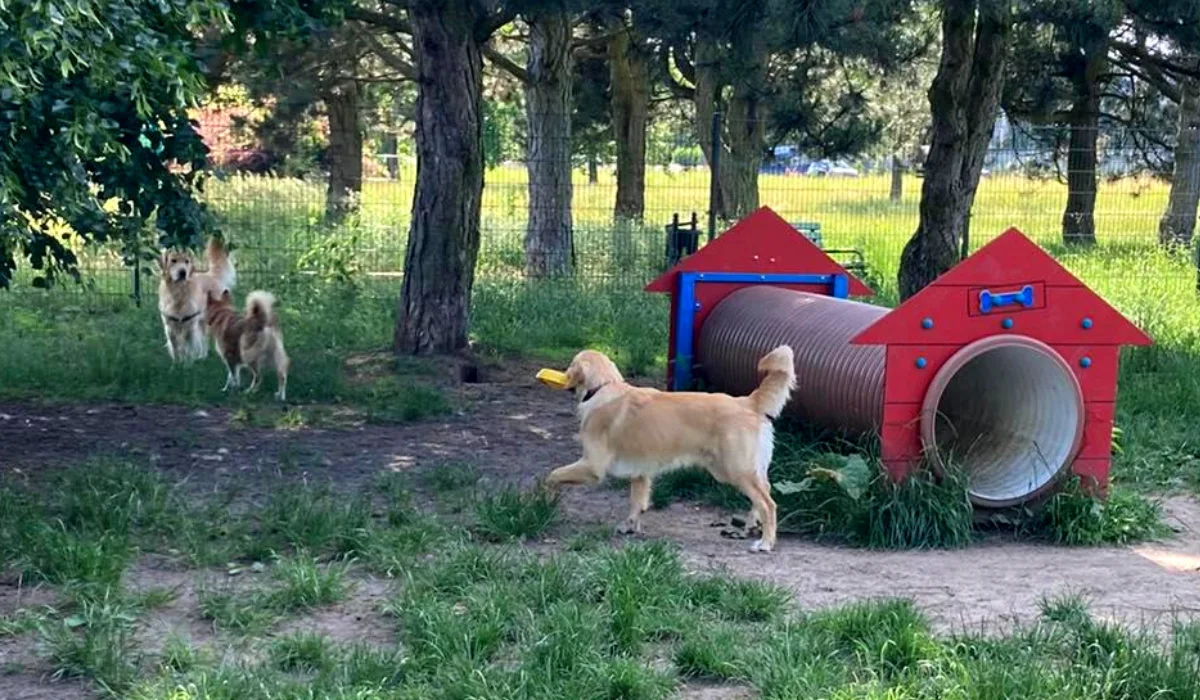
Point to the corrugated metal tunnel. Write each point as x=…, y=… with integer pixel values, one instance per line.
x=1007, y=410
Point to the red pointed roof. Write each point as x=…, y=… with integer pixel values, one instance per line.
x=760, y=243
x=1003, y=265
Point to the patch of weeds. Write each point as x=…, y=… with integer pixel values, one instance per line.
x=363, y=666
x=232, y=610
x=921, y=512
x=112, y=496
x=852, y=498
x=890, y=636
x=154, y=598
x=713, y=654
x=51, y=553
x=96, y=641
x=468, y=565
x=737, y=599
x=313, y=519
x=303, y=584
x=644, y=593
x=443, y=633
x=22, y=621
x=627, y=679
x=567, y=635
x=391, y=401
x=1075, y=517
x=513, y=514
x=179, y=656
x=303, y=651
x=1071, y=610
x=450, y=477
x=394, y=550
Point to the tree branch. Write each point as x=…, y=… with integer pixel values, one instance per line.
x=390, y=58
x=488, y=25
x=1141, y=56
x=379, y=19
x=503, y=62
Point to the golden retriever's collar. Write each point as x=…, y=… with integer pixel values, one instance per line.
x=592, y=392
x=182, y=319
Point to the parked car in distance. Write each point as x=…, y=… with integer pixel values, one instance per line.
x=827, y=168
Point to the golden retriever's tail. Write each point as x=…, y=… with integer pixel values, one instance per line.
x=220, y=265
x=775, y=389
x=260, y=308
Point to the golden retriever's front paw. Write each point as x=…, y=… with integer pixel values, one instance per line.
x=632, y=526
x=761, y=546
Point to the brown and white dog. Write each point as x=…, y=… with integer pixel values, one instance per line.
x=253, y=340
x=182, y=297
x=638, y=433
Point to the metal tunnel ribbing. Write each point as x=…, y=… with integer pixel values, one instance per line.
x=838, y=385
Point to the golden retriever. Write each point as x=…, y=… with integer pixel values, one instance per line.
x=253, y=340
x=183, y=295
x=638, y=433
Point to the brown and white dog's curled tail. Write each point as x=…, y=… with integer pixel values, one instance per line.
x=260, y=307
x=220, y=266
x=776, y=387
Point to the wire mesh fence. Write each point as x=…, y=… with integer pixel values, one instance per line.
x=867, y=207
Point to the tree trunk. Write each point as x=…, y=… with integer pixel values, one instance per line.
x=745, y=128
x=593, y=166
x=1178, y=224
x=548, y=235
x=705, y=99
x=629, y=76
x=391, y=149
x=963, y=99
x=443, y=239
x=897, y=192
x=1079, y=218
x=743, y=122
x=343, y=105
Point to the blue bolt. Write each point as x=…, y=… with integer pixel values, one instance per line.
x=1006, y=323
x=1086, y=323
x=921, y=363
x=1085, y=362
x=697, y=306
x=927, y=323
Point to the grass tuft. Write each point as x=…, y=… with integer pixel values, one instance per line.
x=303, y=584
x=513, y=514
x=1075, y=517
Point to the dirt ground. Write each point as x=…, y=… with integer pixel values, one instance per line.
x=516, y=430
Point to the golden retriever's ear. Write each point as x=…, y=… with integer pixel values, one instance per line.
x=575, y=375
x=164, y=261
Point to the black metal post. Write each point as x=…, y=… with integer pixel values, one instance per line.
x=965, y=252
x=137, y=283
x=714, y=175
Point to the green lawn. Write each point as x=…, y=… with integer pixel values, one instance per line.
x=447, y=603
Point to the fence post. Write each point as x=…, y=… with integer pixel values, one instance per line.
x=965, y=251
x=137, y=283
x=714, y=174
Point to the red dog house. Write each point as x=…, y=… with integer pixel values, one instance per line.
x=1005, y=366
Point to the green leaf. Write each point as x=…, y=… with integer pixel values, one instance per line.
x=790, y=488
x=74, y=621
x=854, y=476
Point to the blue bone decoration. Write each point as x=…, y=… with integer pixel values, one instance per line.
x=989, y=301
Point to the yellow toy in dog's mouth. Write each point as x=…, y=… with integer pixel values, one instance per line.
x=553, y=378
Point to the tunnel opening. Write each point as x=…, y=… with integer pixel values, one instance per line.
x=1007, y=412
